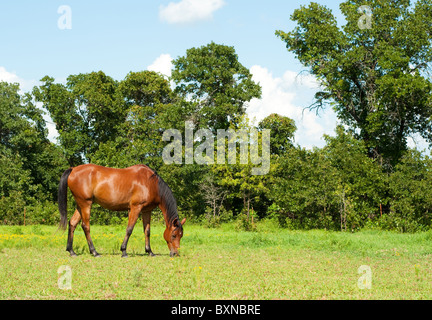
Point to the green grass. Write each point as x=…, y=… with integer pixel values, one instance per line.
x=216, y=264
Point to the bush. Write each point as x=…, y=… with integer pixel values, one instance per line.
x=335, y=188
x=12, y=208
x=43, y=212
x=281, y=218
x=411, y=199
x=245, y=223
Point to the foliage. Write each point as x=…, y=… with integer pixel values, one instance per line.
x=411, y=200
x=29, y=162
x=337, y=187
x=375, y=78
x=282, y=131
x=121, y=123
x=87, y=112
x=216, y=83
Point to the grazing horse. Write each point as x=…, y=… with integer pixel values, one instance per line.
x=137, y=189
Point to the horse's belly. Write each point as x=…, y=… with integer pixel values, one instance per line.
x=113, y=206
x=111, y=199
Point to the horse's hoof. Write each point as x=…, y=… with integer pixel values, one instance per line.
x=72, y=254
x=124, y=255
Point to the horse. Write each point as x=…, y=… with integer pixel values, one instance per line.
x=137, y=189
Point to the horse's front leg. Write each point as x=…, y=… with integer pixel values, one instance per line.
x=133, y=217
x=146, y=216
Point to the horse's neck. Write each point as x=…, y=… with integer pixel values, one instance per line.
x=168, y=217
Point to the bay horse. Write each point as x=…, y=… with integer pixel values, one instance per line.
x=137, y=189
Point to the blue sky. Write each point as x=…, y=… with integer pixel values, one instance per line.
x=129, y=35
x=120, y=36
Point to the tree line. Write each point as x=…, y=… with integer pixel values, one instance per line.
x=365, y=176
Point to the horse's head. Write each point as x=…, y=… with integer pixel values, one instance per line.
x=173, y=234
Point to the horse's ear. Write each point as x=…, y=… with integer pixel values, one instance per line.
x=183, y=221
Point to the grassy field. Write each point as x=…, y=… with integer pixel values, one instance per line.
x=217, y=264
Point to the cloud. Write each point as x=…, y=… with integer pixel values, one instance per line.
x=8, y=76
x=162, y=64
x=11, y=77
x=416, y=141
x=288, y=96
x=187, y=11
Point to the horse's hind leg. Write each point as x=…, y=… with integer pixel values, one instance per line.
x=85, y=216
x=72, y=225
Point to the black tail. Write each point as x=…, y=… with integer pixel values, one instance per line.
x=62, y=198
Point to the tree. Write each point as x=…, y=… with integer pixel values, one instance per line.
x=282, y=131
x=361, y=186
x=29, y=163
x=303, y=189
x=217, y=84
x=213, y=194
x=336, y=187
x=87, y=112
x=148, y=101
x=375, y=78
x=238, y=178
x=24, y=136
x=411, y=199
x=146, y=89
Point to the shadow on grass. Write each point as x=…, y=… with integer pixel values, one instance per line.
x=130, y=255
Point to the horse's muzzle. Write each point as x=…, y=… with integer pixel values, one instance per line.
x=174, y=254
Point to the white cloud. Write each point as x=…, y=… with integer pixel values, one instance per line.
x=416, y=141
x=8, y=76
x=11, y=77
x=162, y=64
x=187, y=11
x=280, y=95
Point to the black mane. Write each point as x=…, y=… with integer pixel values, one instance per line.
x=167, y=199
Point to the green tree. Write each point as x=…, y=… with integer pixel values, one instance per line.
x=148, y=100
x=282, y=131
x=361, y=186
x=216, y=83
x=87, y=111
x=375, y=78
x=24, y=135
x=29, y=163
x=238, y=178
x=411, y=199
x=336, y=187
x=303, y=190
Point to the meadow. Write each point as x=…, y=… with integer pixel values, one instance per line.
x=216, y=263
